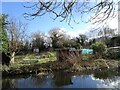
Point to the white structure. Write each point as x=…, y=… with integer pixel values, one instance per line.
x=36, y=50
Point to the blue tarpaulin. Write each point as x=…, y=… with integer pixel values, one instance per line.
x=87, y=51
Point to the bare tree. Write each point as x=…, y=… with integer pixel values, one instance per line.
x=66, y=40
x=81, y=39
x=16, y=34
x=57, y=36
x=99, y=10
x=48, y=42
x=106, y=32
x=38, y=40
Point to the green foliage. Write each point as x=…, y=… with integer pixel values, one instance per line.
x=38, y=39
x=85, y=57
x=79, y=41
x=3, y=33
x=115, y=41
x=76, y=45
x=51, y=54
x=113, y=53
x=98, y=48
x=4, y=68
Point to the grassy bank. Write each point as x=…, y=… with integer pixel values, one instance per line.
x=46, y=62
x=57, y=65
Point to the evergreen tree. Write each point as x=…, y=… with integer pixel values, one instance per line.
x=3, y=33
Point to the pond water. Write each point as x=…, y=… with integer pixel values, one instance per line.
x=109, y=78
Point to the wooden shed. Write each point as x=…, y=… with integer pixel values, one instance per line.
x=63, y=54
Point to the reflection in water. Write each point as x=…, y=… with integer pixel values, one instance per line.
x=8, y=82
x=94, y=79
x=62, y=78
x=107, y=83
x=108, y=73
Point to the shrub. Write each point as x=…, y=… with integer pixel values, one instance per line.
x=98, y=49
x=110, y=53
x=51, y=54
x=115, y=41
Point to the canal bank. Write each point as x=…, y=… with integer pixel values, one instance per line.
x=57, y=66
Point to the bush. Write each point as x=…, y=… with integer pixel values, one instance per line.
x=51, y=54
x=110, y=53
x=115, y=41
x=98, y=49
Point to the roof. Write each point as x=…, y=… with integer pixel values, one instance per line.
x=70, y=49
x=114, y=47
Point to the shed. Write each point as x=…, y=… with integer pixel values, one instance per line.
x=36, y=50
x=87, y=51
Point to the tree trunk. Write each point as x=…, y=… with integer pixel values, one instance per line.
x=12, y=57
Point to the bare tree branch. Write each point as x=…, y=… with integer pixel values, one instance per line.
x=68, y=10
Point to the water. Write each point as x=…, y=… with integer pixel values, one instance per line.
x=87, y=79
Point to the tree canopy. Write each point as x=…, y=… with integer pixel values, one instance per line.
x=3, y=35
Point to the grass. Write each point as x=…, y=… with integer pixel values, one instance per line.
x=32, y=63
x=48, y=56
x=20, y=60
x=37, y=61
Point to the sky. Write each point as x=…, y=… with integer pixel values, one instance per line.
x=45, y=23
